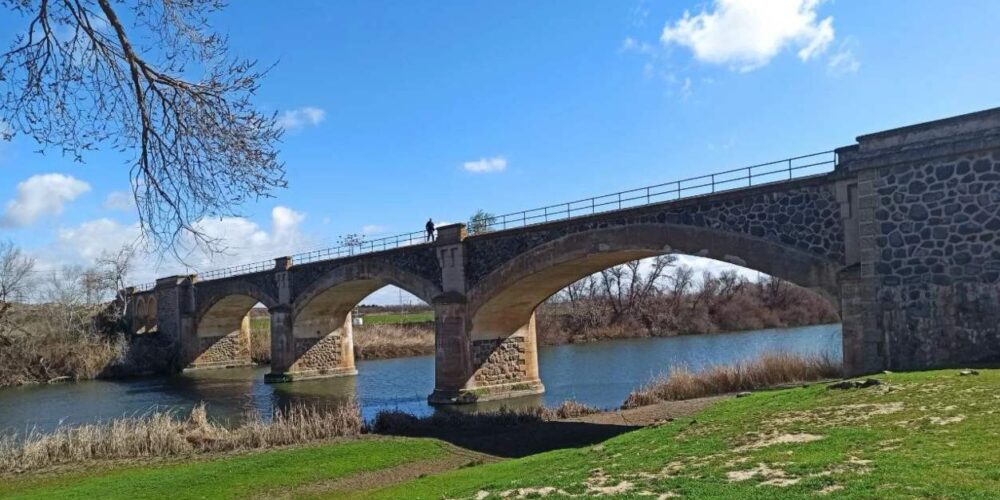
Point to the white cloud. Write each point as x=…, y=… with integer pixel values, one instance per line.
x=747, y=34
x=119, y=200
x=298, y=118
x=38, y=195
x=372, y=229
x=844, y=61
x=85, y=243
x=242, y=240
x=486, y=165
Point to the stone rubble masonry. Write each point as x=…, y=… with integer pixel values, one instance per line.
x=223, y=352
x=499, y=361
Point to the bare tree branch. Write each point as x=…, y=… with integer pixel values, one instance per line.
x=77, y=78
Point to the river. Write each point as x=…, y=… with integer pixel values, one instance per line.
x=599, y=374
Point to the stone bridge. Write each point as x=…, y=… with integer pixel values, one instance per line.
x=902, y=234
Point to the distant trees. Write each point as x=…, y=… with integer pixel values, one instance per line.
x=165, y=88
x=657, y=297
x=481, y=222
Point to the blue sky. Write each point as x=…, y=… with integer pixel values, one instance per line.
x=399, y=111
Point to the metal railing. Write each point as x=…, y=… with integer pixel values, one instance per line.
x=362, y=247
x=737, y=178
x=253, y=267
x=728, y=180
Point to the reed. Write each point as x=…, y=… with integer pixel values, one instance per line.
x=767, y=371
x=164, y=434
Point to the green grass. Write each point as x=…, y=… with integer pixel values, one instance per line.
x=397, y=318
x=919, y=435
x=262, y=474
x=930, y=434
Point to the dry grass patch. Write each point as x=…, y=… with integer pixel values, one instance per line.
x=393, y=341
x=163, y=434
x=767, y=371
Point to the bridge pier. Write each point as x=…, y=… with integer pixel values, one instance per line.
x=477, y=358
x=316, y=341
x=473, y=365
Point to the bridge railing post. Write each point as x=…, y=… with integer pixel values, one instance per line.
x=713, y=183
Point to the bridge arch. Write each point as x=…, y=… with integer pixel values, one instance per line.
x=222, y=324
x=515, y=289
x=502, y=357
x=320, y=340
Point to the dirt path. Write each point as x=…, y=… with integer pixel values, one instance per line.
x=455, y=458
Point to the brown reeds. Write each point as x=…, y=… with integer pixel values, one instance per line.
x=163, y=434
x=393, y=340
x=767, y=371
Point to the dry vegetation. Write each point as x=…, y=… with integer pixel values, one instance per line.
x=393, y=341
x=666, y=299
x=769, y=370
x=60, y=325
x=163, y=434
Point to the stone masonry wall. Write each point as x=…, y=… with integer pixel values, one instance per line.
x=803, y=215
x=227, y=350
x=499, y=361
x=937, y=260
x=318, y=353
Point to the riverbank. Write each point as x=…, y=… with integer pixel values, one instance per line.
x=161, y=434
x=799, y=442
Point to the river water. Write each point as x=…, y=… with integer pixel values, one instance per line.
x=599, y=374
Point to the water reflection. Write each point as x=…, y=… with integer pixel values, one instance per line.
x=599, y=374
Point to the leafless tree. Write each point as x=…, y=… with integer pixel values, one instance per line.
x=481, y=222
x=15, y=274
x=77, y=78
x=353, y=242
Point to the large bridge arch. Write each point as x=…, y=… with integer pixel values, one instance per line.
x=516, y=288
x=502, y=356
x=318, y=338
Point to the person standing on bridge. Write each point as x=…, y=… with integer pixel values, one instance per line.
x=430, y=230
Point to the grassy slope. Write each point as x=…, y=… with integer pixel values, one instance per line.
x=264, y=474
x=931, y=434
